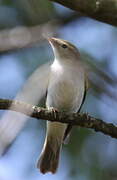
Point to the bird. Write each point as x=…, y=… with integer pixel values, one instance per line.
x=66, y=92
x=63, y=85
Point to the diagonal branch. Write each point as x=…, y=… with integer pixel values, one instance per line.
x=102, y=10
x=25, y=37
x=82, y=120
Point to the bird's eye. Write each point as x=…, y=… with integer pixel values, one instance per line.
x=64, y=46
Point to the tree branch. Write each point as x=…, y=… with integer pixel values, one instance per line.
x=102, y=10
x=82, y=120
x=25, y=37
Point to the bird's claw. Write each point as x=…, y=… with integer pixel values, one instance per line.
x=54, y=111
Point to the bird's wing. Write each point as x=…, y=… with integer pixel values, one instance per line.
x=34, y=89
x=36, y=86
x=69, y=127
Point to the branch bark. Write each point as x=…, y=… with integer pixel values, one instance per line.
x=82, y=120
x=102, y=10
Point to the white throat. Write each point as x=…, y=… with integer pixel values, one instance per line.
x=56, y=66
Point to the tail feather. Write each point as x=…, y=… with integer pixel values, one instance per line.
x=49, y=158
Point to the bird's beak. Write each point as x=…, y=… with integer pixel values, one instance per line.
x=54, y=44
x=52, y=41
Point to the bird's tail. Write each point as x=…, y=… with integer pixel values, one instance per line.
x=49, y=158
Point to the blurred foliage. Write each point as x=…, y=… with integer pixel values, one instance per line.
x=25, y=12
x=34, y=11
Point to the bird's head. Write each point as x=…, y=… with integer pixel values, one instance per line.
x=64, y=49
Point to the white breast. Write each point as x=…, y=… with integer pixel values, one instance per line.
x=66, y=87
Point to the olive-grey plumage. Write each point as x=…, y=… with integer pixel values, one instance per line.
x=65, y=92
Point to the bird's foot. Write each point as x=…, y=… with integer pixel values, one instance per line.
x=54, y=111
